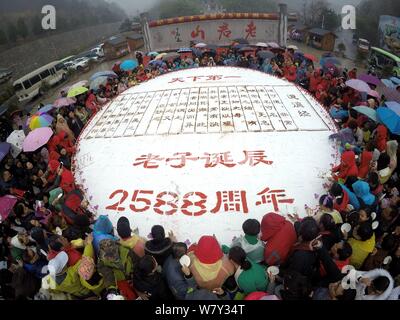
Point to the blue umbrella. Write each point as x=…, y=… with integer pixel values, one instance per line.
x=129, y=65
x=4, y=149
x=46, y=108
x=393, y=105
x=390, y=119
x=3, y=109
x=156, y=63
x=388, y=83
x=197, y=52
x=369, y=112
x=182, y=50
x=109, y=74
x=395, y=80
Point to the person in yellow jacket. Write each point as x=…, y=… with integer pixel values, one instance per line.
x=130, y=239
x=73, y=280
x=362, y=243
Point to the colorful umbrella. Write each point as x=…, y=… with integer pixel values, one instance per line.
x=16, y=139
x=46, y=108
x=96, y=83
x=200, y=45
x=310, y=57
x=393, y=105
x=64, y=102
x=7, y=203
x=390, y=94
x=171, y=56
x=369, y=112
x=36, y=139
x=358, y=85
x=389, y=118
x=39, y=120
x=109, y=74
x=4, y=149
x=129, y=65
x=370, y=79
x=153, y=53
x=73, y=92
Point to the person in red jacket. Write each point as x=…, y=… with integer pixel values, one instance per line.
x=341, y=197
x=58, y=244
x=315, y=79
x=91, y=103
x=365, y=161
x=353, y=73
x=290, y=71
x=279, y=235
x=347, y=166
x=66, y=143
x=60, y=176
x=381, y=137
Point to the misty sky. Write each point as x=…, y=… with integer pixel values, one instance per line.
x=131, y=6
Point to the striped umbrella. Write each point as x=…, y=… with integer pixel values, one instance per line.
x=39, y=121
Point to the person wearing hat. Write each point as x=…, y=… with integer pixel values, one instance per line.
x=210, y=267
x=128, y=239
x=74, y=280
x=116, y=264
x=102, y=229
x=250, y=242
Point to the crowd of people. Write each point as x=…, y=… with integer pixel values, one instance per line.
x=52, y=247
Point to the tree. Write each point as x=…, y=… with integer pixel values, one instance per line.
x=11, y=32
x=178, y=8
x=330, y=18
x=3, y=37
x=22, y=28
x=36, y=25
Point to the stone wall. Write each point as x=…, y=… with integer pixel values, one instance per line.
x=32, y=55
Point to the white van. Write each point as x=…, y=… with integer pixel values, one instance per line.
x=28, y=87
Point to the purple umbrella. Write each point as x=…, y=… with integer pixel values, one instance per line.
x=36, y=139
x=7, y=203
x=358, y=85
x=370, y=79
x=4, y=149
x=64, y=102
x=46, y=108
x=390, y=94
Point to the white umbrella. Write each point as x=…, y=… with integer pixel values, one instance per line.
x=200, y=45
x=261, y=44
x=16, y=139
x=273, y=45
x=293, y=47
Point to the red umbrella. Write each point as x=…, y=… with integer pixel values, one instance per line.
x=310, y=57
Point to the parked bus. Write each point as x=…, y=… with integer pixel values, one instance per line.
x=380, y=59
x=29, y=86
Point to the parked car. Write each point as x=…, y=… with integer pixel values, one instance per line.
x=92, y=56
x=98, y=51
x=78, y=64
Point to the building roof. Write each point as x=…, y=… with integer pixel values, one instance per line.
x=135, y=36
x=321, y=32
x=114, y=41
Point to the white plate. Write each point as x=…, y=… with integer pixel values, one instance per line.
x=346, y=227
x=273, y=270
x=375, y=225
x=185, y=261
x=387, y=260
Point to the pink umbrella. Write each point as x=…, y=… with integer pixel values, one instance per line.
x=7, y=203
x=64, y=102
x=36, y=139
x=374, y=94
x=358, y=85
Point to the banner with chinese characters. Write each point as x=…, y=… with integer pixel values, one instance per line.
x=219, y=32
x=199, y=151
